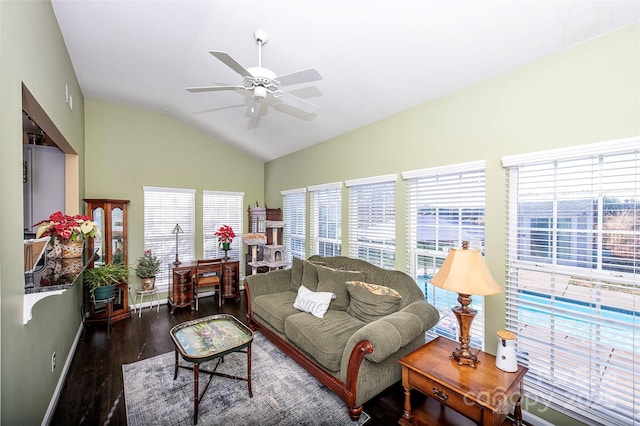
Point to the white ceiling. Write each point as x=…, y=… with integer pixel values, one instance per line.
x=377, y=58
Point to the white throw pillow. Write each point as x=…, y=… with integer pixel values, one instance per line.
x=314, y=302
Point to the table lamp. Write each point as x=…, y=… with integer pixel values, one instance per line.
x=177, y=230
x=466, y=273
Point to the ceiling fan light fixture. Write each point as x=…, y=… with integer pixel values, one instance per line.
x=259, y=92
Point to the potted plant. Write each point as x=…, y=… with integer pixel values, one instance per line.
x=67, y=233
x=225, y=236
x=147, y=269
x=101, y=281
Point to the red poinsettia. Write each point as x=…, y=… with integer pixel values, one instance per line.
x=225, y=234
x=74, y=228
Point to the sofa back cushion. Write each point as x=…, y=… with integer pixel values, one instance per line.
x=334, y=281
x=297, y=268
x=397, y=280
x=370, y=302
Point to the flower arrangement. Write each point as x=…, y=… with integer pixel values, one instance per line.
x=148, y=265
x=74, y=228
x=225, y=235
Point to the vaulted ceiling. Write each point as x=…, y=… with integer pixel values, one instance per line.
x=377, y=58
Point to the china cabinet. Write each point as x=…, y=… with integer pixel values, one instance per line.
x=109, y=247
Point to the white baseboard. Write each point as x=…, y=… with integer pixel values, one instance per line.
x=46, y=421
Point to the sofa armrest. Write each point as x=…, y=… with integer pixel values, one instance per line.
x=388, y=334
x=268, y=283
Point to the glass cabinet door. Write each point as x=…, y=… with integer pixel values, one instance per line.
x=97, y=215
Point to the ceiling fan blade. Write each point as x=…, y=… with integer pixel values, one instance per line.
x=298, y=77
x=226, y=59
x=213, y=88
x=253, y=108
x=295, y=101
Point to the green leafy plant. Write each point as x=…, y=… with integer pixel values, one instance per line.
x=148, y=265
x=105, y=275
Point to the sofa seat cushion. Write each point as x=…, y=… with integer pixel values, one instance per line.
x=322, y=339
x=275, y=308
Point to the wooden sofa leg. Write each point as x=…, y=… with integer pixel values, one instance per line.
x=354, y=412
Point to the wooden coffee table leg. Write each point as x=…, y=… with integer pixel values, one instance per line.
x=196, y=371
x=175, y=370
x=249, y=370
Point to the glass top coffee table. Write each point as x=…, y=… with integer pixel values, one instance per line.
x=206, y=339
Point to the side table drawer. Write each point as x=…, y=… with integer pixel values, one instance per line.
x=446, y=396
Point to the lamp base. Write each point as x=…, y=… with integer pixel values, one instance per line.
x=176, y=263
x=465, y=357
x=464, y=315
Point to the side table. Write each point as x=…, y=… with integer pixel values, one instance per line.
x=140, y=292
x=485, y=394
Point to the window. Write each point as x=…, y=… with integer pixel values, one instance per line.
x=446, y=206
x=372, y=220
x=326, y=219
x=573, y=283
x=294, y=213
x=222, y=208
x=163, y=209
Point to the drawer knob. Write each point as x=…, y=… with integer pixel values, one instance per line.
x=438, y=393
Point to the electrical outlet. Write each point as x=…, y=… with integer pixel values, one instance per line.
x=53, y=362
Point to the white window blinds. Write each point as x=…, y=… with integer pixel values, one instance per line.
x=573, y=283
x=446, y=206
x=294, y=214
x=163, y=209
x=222, y=208
x=372, y=220
x=326, y=219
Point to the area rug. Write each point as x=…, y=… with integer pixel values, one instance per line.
x=283, y=393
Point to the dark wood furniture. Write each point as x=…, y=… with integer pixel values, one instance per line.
x=181, y=290
x=206, y=339
x=484, y=394
x=111, y=246
x=208, y=274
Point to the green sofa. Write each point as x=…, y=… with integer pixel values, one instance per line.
x=355, y=346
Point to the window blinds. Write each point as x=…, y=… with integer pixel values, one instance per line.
x=294, y=213
x=163, y=209
x=445, y=207
x=573, y=283
x=372, y=220
x=222, y=208
x=326, y=219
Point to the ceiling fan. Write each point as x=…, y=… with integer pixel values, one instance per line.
x=262, y=82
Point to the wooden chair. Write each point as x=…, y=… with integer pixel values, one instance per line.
x=208, y=274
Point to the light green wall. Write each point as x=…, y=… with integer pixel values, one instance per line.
x=31, y=51
x=129, y=148
x=590, y=93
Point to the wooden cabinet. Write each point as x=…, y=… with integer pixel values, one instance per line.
x=181, y=286
x=230, y=279
x=181, y=283
x=110, y=247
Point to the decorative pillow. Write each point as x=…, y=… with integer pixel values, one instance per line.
x=333, y=280
x=314, y=302
x=370, y=302
x=297, y=267
x=309, y=276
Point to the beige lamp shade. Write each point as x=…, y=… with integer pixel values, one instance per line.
x=465, y=272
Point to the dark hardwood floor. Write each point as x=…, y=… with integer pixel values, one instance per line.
x=93, y=393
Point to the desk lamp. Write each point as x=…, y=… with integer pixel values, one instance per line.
x=466, y=273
